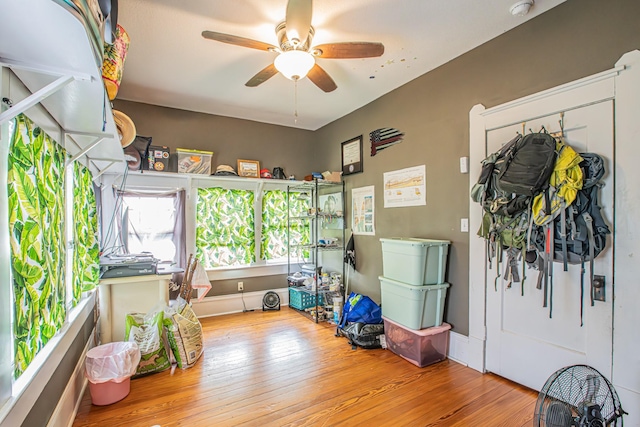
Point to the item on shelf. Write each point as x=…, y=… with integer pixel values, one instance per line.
x=278, y=173
x=126, y=128
x=113, y=63
x=194, y=161
x=225, y=170
x=158, y=158
x=132, y=156
x=264, y=173
x=300, y=298
x=141, y=145
x=332, y=176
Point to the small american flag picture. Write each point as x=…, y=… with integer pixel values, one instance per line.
x=383, y=138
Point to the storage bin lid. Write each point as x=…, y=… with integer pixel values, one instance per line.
x=434, y=330
x=188, y=150
x=414, y=241
x=421, y=288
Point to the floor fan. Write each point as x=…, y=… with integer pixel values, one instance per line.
x=578, y=396
x=271, y=301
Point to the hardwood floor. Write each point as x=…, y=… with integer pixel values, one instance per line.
x=278, y=368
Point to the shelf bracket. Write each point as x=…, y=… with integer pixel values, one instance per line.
x=103, y=170
x=85, y=150
x=35, y=98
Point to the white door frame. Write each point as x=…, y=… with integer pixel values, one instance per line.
x=627, y=128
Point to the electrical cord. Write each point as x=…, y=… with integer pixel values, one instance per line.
x=243, y=304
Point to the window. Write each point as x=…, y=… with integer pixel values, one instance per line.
x=227, y=231
x=225, y=227
x=274, y=223
x=151, y=224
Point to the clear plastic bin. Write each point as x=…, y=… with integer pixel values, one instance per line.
x=422, y=348
x=416, y=307
x=414, y=261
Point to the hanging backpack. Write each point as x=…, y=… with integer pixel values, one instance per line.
x=578, y=234
x=526, y=166
x=509, y=179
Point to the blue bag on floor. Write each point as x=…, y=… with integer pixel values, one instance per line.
x=360, y=308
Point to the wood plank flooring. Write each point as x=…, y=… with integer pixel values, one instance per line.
x=278, y=368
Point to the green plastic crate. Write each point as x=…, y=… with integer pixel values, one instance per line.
x=301, y=298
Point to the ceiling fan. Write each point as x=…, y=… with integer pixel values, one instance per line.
x=296, y=55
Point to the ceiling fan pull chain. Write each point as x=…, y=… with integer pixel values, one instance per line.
x=295, y=97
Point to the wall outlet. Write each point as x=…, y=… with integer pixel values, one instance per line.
x=240, y=286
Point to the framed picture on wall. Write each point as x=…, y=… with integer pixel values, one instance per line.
x=249, y=168
x=352, y=156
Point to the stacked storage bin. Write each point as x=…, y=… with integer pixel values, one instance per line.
x=413, y=298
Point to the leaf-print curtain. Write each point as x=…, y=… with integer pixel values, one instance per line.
x=86, y=259
x=36, y=213
x=225, y=233
x=274, y=223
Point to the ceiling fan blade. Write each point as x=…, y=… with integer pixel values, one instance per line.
x=298, y=21
x=348, y=50
x=263, y=75
x=238, y=41
x=321, y=79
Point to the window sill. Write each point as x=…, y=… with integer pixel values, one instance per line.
x=228, y=273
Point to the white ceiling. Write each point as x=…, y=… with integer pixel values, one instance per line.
x=170, y=64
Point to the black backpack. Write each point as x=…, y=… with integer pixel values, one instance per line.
x=509, y=180
x=365, y=335
x=526, y=165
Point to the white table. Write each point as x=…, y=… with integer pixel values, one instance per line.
x=122, y=295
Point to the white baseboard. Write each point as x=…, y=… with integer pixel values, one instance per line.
x=67, y=408
x=235, y=303
x=458, y=348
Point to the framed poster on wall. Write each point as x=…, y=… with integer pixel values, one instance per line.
x=352, y=156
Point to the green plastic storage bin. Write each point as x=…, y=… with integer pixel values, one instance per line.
x=414, y=261
x=416, y=307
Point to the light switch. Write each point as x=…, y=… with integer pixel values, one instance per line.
x=464, y=225
x=464, y=165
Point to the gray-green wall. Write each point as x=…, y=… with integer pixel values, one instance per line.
x=573, y=40
x=230, y=139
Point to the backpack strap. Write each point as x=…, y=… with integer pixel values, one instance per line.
x=545, y=261
x=592, y=241
x=551, y=252
x=581, y=292
x=563, y=237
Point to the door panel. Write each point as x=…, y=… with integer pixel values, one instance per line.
x=524, y=343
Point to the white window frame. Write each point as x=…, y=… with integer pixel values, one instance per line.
x=191, y=183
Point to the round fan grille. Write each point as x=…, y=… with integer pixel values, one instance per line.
x=577, y=396
x=271, y=301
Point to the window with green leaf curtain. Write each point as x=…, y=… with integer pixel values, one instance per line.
x=86, y=259
x=274, y=223
x=225, y=230
x=36, y=212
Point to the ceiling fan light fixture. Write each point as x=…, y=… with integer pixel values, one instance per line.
x=294, y=64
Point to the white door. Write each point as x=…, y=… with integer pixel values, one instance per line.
x=523, y=343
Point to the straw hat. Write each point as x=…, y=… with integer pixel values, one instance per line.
x=126, y=128
x=223, y=170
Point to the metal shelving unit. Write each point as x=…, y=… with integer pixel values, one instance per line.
x=326, y=226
